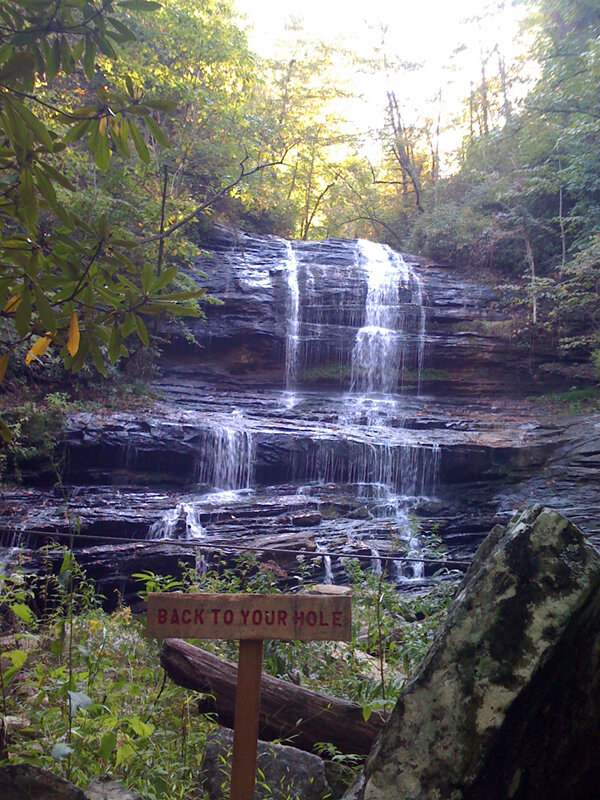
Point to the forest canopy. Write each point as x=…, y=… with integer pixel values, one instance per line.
x=129, y=127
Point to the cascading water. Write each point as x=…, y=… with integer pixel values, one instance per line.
x=227, y=465
x=382, y=351
x=293, y=325
x=183, y=521
x=228, y=457
x=359, y=309
x=376, y=350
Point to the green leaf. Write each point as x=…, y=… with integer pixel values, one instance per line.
x=44, y=309
x=45, y=187
x=108, y=744
x=89, y=57
x=77, y=131
x=124, y=753
x=57, y=176
x=79, y=360
x=114, y=344
x=23, y=612
x=53, y=61
x=155, y=130
x=37, y=127
x=147, y=275
x=102, y=149
x=142, y=331
x=65, y=572
x=23, y=313
x=143, y=729
x=128, y=326
x=18, y=659
x=163, y=279
x=161, y=105
x=119, y=132
x=27, y=198
x=66, y=56
x=138, y=141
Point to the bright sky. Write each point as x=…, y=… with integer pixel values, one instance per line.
x=424, y=31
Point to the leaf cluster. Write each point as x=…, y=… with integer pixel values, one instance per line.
x=77, y=284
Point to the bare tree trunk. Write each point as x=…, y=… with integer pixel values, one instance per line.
x=318, y=201
x=471, y=115
x=484, y=99
x=436, y=169
x=401, y=151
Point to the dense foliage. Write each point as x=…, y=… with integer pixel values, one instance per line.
x=82, y=691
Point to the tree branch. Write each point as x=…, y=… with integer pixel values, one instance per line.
x=203, y=206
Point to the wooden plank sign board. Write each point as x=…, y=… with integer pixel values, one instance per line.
x=286, y=617
x=251, y=618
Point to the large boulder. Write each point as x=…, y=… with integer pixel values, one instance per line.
x=286, y=773
x=28, y=782
x=506, y=704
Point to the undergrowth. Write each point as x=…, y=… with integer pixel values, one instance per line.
x=83, y=693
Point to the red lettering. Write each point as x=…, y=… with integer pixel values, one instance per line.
x=245, y=614
x=174, y=617
x=228, y=617
x=215, y=613
x=162, y=616
x=198, y=616
x=322, y=622
x=311, y=618
x=270, y=621
x=257, y=617
x=299, y=618
x=337, y=622
x=282, y=617
x=186, y=616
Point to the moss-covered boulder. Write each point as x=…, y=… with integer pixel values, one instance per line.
x=506, y=703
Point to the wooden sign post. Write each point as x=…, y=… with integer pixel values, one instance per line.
x=251, y=618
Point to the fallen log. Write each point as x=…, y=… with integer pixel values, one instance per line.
x=288, y=712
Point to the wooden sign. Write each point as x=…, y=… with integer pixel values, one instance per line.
x=287, y=617
x=251, y=618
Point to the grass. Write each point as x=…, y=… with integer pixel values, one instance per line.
x=574, y=400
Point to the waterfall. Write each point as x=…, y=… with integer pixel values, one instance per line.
x=404, y=469
x=327, y=569
x=184, y=516
x=293, y=325
x=228, y=456
x=375, y=561
x=375, y=355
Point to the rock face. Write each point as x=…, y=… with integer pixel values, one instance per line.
x=340, y=392
x=506, y=703
x=285, y=772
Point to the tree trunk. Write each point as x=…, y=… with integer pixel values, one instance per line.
x=299, y=716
